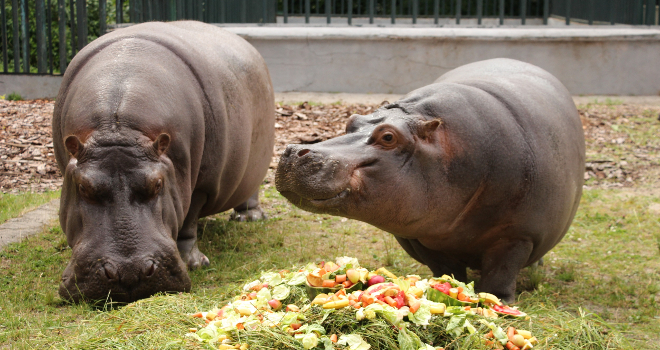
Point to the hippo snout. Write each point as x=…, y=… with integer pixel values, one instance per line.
x=122, y=279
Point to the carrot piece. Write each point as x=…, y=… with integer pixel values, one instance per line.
x=340, y=292
x=340, y=278
x=511, y=346
x=239, y=326
x=197, y=314
x=328, y=283
x=460, y=289
x=347, y=284
x=462, y=296
x=391, y=302
x=414, y=306
x=333, y=338
x=510, y=332
x=490, y=335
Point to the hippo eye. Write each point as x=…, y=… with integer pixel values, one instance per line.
x=388, y=139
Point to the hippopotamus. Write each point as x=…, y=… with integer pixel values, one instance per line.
x=483, y=169
x=155, y=126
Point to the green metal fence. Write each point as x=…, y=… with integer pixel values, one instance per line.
x=42, y=36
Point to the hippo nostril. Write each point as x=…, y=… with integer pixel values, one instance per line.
x=302, y=152
x=110, y=272
x=150, y=269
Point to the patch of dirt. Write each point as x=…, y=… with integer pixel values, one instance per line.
x=622, y=145
x=615, y=158
x=26, y=147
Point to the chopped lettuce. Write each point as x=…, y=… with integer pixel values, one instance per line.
x=422, y=316
x=272, y=278
x=354, y=342
x=281, y=292
x=297, y=279
x=347, y=262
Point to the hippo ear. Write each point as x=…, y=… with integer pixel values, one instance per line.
x=162, y=143
x=74, y=145
x=428, y=128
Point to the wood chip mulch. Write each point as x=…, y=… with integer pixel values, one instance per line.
x=28, y=163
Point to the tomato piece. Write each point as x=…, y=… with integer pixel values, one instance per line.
x=400, y=300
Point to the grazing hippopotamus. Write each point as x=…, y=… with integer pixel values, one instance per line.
x=483, y=169
x=155, y=126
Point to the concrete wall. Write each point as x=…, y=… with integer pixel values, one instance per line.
x=30, y=86
x=589, y=60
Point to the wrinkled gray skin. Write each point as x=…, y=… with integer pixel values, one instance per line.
x=155, y=126
x=482, y=169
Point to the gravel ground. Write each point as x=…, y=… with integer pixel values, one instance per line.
x=614, y=157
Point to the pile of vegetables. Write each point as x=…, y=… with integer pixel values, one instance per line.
x=341, y=305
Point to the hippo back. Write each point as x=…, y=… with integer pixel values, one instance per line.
x=522, y=145
x=227, y=78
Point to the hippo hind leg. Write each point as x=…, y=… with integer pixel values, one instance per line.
x=249, y=210
x=187, y=239
x=439, y=263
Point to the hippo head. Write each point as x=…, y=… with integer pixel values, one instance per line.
x=121, y=211
x=376, y=173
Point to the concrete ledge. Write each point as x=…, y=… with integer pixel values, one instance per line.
x=30, y=86
x=533, y=33
x=595, y=60
x=589, y=60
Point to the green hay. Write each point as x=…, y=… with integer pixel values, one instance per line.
x=162, y=322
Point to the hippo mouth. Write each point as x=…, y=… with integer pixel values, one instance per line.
x=317, y=204
x=332, y=201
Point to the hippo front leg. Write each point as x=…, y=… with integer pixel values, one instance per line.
x=439, y=263
x=187, y=240
x=500, y=265
x=250, y=210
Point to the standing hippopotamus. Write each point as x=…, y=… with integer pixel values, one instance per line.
x=155, y=126
x=482, y=169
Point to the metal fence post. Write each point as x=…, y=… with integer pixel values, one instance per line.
x=546, y=11
x=480, y=10
x=72, y=28
x=415, y=11
x=501, y=12
x=25, y=36
x=61, y=32
x=568, y=12
x=523, y=11
x=285, y=10
x=371, y=11
x=436, y=11
x=119, y=15
x=650, y=13
x=591, y=12
x=393, y=11
x=81, y=13
x=328, y=4
x=17, y=50
x=40, y=31
x=349, y=9
x=5, y=49
x=102, y=15
x=458, y=11
x=612, y=12
x=307, y=11
x=49, y=36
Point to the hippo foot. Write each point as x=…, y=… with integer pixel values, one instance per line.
x=254, y=214
x=193, y=258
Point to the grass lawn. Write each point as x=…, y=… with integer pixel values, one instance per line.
x=602, y=279
x=13, y=205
